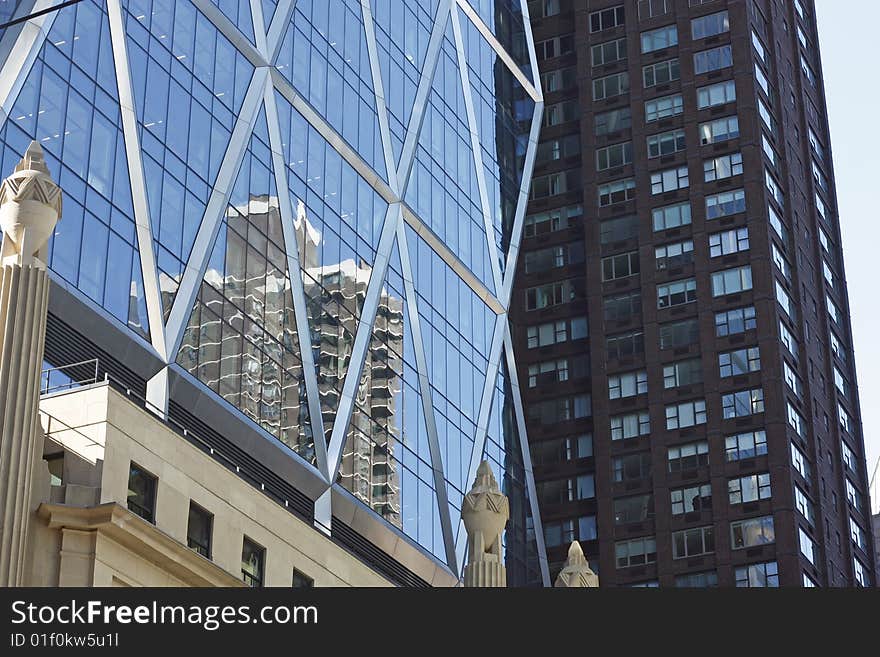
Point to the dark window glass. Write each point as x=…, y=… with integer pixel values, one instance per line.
x=198, y=531
x=142, y=493
x=253, y=557
x=302, y=581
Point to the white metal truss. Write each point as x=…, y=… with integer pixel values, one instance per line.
x=21, y=47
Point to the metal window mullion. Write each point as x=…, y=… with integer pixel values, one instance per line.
x=477, y=153
x=278, y=27
x=379, y=93
x=521, y=205
x=420, y=103
x=485, y=406
x=259, y=26
x=502, y=53
x=362, y=340
x=516, y=393
x=427, y=400
x=214, y=212
x=530, y=46
x=23, y=52
x=297, y=288
x=142, y=221
x=229, y=30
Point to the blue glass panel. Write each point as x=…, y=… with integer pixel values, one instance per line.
x=241, y=339
x=269, y=7
x=403, y=30
x=443, y=188
x=506, y=21
x=386, y=461
x=189, y=83
x=239, y=12
x=338, y=218
x=324, y=55
x=69, y=103
x=504, y=113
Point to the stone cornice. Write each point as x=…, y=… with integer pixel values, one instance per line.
x=144, y=539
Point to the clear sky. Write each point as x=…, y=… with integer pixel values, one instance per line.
x=853, y=101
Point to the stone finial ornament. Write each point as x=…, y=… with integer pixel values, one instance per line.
x=485, y=511
x=576, y=571
x=30, y=206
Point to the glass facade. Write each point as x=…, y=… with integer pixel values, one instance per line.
x=307, y=209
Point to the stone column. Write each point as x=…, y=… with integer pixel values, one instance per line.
x=30, y=205
x=576, y=571
x=485, y=511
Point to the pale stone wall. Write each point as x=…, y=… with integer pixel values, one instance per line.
x=111, y=432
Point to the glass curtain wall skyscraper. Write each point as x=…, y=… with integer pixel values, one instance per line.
x=706, y=431
x=292, y=226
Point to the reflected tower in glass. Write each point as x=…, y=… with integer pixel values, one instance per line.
x=290, y=229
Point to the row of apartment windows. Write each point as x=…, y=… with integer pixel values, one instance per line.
x=200, y=527
x=686, y=543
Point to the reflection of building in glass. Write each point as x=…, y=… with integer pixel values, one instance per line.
x=193, y=139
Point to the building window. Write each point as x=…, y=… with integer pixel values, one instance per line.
x=653, y=8
x=745, y=445
x=611, y=85
x=730, y=281
x=544, y=334
x=752, y=532
x=558, y=149
x=728, y=241
x=142, y=493
x=631, y=467
x=637, y=508
x=660, y=73
x=682, y=373
x=666, y=143
x=555, y=47
x=622, y=307
x=671, y=216
x=606, y=19
x=791, y=379
x=738, y=320
x=562, y=409
x=547, y=452
x=636, y=552
x=749, y=488
x=571, y=489
x=620, y=266
x=740, y=361
x=694, y=498
x=716, y=94
x=742, y=403
x=857, y=534
x=757, y=575
x=725, y=166
x=725, y=204
x=253, y=559
x=669, y=180
x=613, y=120
x=713, y=59
x=554, y=184
x=552, y=221
x=679, y=334
x=719, y=130
x=710, y=25
x=685, y=414
x=860, y=574
x=551, y=294
x=609, y=52
x=559, y=80
x=661, y=108
x=849, y=457
x=662, y=37
x=563, y=533
x=689, y=456
x=624, y=345
x=617, y=192
x=302, y=581
x=693, y=542
x=630, y=425
x=198, y=530
x=677, y=293
x=619, y=229
x=553, y=371
x=795, y=421
x=613, y=156
x=808, y=548
x=800, y=463
x=676, y=254
x=705, y=580
x=803, y=504
x=628, y=384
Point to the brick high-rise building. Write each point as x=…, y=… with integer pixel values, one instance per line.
x=705, y=430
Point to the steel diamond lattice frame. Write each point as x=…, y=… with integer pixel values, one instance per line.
x=21, y=46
